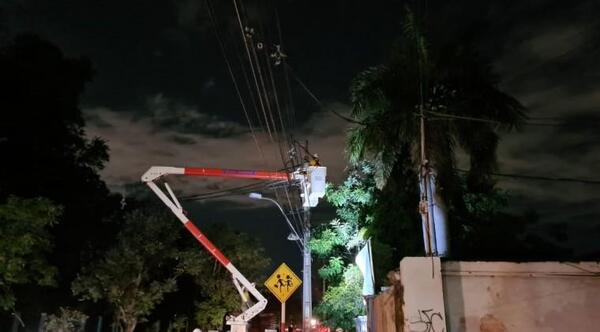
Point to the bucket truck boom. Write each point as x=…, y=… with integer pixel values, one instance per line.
x=312, y=182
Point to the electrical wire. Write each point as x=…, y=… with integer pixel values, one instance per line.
x=277, y=106
x=253, y=70
x=295, y=214
x=520, y=176
x=295, y=223
x=540, y=178
x=263, y=95
x=252, y=93
x=231, y=74
x=263, y=91
x=272, y=87
x=260, y=84
x=235, y=190
x=267, y=97
x=267, y=93
x=475, y=119
x=290, y=103
x=317, y=101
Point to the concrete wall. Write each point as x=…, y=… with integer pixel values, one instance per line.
x=423, y=301
x=500, y=296
x=491, y=297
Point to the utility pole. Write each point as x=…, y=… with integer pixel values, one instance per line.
x=425, y=200
x=306, y=259
x=312, y=189
x=306, y=274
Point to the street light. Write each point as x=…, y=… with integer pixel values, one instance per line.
x=306, y=258
x=294, y=235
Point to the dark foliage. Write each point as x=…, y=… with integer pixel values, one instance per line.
x=45, y=152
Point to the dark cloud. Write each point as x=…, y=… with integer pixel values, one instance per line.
x=162, y=94
x=183, y=140
x=96, y=121
x=545, y=55
x=581, y=131
x=136, y=144
x=141, y=50
x=167, y=114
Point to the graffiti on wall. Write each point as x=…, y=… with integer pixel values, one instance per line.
x=428, y=321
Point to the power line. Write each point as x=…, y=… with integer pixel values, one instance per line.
x=230, y=70
x=269, y=89
x=262, y=88
x=266, y=92
x=319, y=103
x=475, y=119
x=540, y=178
x=252, y=69
x=235, y=190
x=290, y=103
x=275, y=95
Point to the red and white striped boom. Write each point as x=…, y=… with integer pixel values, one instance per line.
x=157, y=171
x=239, y=322
x=312, y=179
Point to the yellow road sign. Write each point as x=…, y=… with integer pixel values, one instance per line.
x=283, y=282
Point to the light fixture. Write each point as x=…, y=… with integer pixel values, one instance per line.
x=255, y=195
x=293, y=237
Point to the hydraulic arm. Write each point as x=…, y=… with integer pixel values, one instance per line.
x=312, y=181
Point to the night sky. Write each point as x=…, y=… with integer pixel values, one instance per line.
x=162, y=95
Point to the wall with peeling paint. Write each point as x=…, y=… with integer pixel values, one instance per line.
x=451, y=296
x=501, y=296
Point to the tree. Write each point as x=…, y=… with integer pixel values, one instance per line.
x=341, y=304
x=363, y=211
x=487, y=217
x=68, y=320
x=337, y=241
x=178, y=324
x=219, y=296
x=42, y=127
x=136, y=273
x=336, y=244
x=25, y=241
x=45, y=149
x=456, y=95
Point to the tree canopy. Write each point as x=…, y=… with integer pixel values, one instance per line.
x=25, y=242
x=42, y=128
x=342, y=303
x=152, y=254
x=435, y=99
x=449, y=84
x=218, y=296
x=46, y=153
x=134, y=275
x=339, y=240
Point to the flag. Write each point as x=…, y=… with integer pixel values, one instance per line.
x=364, y=261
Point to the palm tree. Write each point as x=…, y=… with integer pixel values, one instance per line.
x=421, y=107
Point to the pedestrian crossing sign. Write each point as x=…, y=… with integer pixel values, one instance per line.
x=283, y=282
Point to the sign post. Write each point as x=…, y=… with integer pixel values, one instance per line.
x=282, y=322
x=282, y=283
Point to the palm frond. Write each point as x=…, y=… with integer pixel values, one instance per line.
x=452, y=82
x=366, y=91
x=355, y=145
